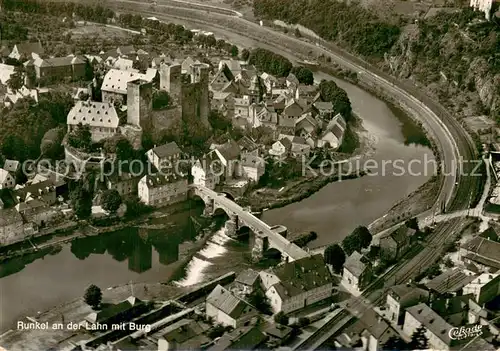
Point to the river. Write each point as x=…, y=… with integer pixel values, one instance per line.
x=37, y=283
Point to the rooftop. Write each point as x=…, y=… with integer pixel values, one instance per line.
x=482, y=248
x=157, y=180
x=27, y=48
x=224, y=300
x=355, y=264
x=115, y=81
x=452, y=280
x=95, y=114
x=302, y=275
x=246, y=338
x=9, y=216
x=167, y=150
x=432, y=321
x=247, y=277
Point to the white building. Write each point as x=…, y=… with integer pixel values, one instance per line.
x=205, y=173
x=227, y=309
x=162, y=190
x=483, y=6
x=437, y=329
x=114, y=84
x=357, y=272
x=101, y=117
x=6, y=180
x=165, y=157
x=253, y=167
x=297, y=284
x=485, y=287
x=333, y=135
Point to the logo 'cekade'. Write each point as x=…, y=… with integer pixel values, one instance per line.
x=465, y=332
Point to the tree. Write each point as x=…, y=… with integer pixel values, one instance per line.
x=364, y=236
x=281, y=318
x=419, y=340
x=303, y=321
x=330, y=92
x=297, y=33
x=81, y=200
x=16, y=80
x=234, y=51
x=335, y=256
x=93, y=296
x=161, y=99
x=81, y=137
x=270, y=62
x=303, y=74
x=51, y=145
x=260, y=301
x=245, y=54
x=120, y=146
x=395, y=343
x=111, y=200
x=218, y=121
x=412, y=223
x=211, y=41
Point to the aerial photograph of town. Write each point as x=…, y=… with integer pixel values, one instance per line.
x=249, y=175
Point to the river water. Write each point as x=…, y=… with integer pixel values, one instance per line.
x=36, y=283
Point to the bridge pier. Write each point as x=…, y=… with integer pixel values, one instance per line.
x=259, y=247
x=208, y=211
x=232, y=226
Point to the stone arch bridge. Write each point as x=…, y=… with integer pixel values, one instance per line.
x=266, y=237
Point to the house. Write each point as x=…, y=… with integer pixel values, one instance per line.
x=484, y=287
x=437, y=329
x=482, y=252
x=394, y=245
x=162, y=189
x=279, y=333
x=58, y=68
x=37, y=211
x=245, y=338
x=299, y=147
x=124, y=311
x=185, y=334
x=207, y=171
x=454, y=310
x=124, y=182
x=370, y=330
x=295, y=285
x=44, y=191
x=224, y=103
x=262, y=114
x=247, y=281
x=241, y=106
x=400, y=297
x=11, y=226
x=101, y=117
x=228, y=309
x=229, y=155
x=269, y=82
x=26, y=50
x=281, y=149
x=253, y=167
x=7, y=181
x=186, y=64
x=165, y=157
x=306, y=126
x=323, y=109
x=248, y=146
x=6, y=71
x=291, y=113
x=233, y=65
x=221, y=78
x=114, y=84
x=309, y=93
x=292, y=80
x=450, y=282
x=333, y=135
x=357, y=272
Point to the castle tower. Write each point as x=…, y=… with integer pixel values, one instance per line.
x=170, y=79
x=199, y=75
x=140, y=103
x=195, y=97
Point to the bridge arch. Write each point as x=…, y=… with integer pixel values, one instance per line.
x=228, y=195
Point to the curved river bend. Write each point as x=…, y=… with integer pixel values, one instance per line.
x=36, y=284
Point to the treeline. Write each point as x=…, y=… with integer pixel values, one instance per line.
x=96, y=13
x=331, y=92
x=269, y=62
x=24, y=126
x=348, y=24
